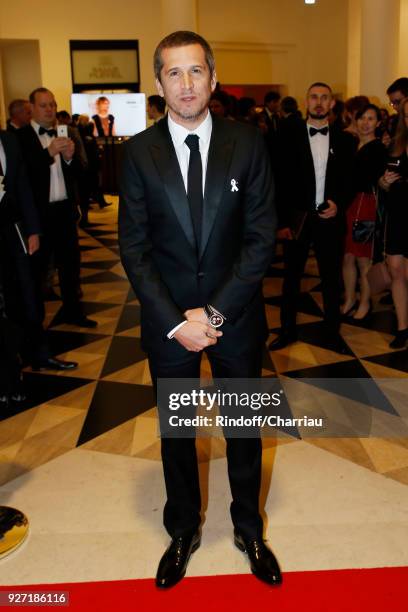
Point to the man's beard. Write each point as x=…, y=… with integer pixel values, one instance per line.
x=314, y=116
x=190, y=116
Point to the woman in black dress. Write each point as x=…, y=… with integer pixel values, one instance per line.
x=395, y=182
x=369, y=164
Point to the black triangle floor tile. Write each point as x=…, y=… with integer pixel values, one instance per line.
x=316, y=334
x=102, y=277
x=108, y=242
x=41, y=388
x=131, y=295
x=84, y=247
x=305, y=304
x=275, y=273
x=64, y=341
x=383, y=321
x=99, y=265
x=113, y=404
x=130, y=317
x=396, y=360
x=123, y=352
x=97, y=231
x=348, y=379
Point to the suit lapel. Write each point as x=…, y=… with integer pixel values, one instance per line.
x=219, y=161
x=166, y=162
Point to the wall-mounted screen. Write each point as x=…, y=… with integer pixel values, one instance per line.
x=113, y=114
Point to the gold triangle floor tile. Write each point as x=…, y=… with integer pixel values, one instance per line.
x=137, y=373
x=151, y=452
x=14, y=429
x=301, y=355
x=79, y=398
x=347, y=448
x=384, y=455
x=118, y=440
x=145, y=433
x=9, y=453
x=379, y=371
x=50, y=415
x=400, y=475
x=367, y=343
x=133, y=332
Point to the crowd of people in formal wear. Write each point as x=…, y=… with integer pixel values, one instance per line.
x=341, y=186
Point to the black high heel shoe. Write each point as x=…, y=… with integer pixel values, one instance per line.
x=400, y=339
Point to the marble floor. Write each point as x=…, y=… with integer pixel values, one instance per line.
x=81, y=456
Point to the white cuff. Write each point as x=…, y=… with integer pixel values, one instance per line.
x=171, y=333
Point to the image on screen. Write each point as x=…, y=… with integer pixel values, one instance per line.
x=112, y=114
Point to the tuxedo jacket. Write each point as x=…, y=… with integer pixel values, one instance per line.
x=295, y=174
x=157, y=241
x=38, y=162
x=17, y=205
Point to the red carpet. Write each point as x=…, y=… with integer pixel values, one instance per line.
x=371, y=590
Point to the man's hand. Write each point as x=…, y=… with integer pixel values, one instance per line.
x=196, y=314
x=65, y=146
x=195, y=336
x=329, y=212
x=285, y=233
x=33, y=243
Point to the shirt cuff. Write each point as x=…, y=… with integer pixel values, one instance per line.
x=171, y=333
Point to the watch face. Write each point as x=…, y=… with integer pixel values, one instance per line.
x=216, y=320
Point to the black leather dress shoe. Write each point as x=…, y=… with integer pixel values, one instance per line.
x=263, y=562
x=52, y=363
x=283, y=340
x=173, y=563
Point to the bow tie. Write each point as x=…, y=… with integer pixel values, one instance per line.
x=50, y=132
x=323, y=131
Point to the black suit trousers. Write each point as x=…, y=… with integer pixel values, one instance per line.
x=60, y=240
x=326, y=236
x=179, y=456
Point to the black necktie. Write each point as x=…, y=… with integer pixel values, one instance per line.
x=50, y=132
x=323, y=131
x=195, y=185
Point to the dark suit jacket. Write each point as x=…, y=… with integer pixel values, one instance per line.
x=38, y=162
x=296, y=183
x=157, y=240
x=17, y=204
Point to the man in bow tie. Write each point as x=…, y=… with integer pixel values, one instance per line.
x=195, y=251
x=312, y=180
x=53, y=167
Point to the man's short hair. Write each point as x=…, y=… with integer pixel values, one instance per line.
x=32, y=95
x=15, y=106
x=158, y=102
x=63, y=114
x=320, y=84
x=271, y=96
x=401, y=85
x=289, y=105
x=182, y=38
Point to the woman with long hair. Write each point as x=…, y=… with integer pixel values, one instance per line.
x=395, y=182
x=368, y=166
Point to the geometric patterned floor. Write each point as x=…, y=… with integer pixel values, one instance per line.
x=107, y=404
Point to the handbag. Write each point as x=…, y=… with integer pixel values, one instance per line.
x=362, y=231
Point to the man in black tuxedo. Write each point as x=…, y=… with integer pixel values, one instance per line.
x=19, y=115
x=196, y=231
x=312, y=182
x=52, y=167
x=20, y=231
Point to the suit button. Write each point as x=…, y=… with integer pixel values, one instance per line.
x=201, y=274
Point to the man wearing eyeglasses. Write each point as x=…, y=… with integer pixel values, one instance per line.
x=396, y=92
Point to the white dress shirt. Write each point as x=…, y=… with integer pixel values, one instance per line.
x=3, y=165
x=178, y=135
x=319, y=146
x=58, y=191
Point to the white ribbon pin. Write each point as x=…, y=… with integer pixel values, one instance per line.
x=234, y=185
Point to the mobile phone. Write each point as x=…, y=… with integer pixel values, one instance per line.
x=322, y=207
x=394, y=166
x=62, y=131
